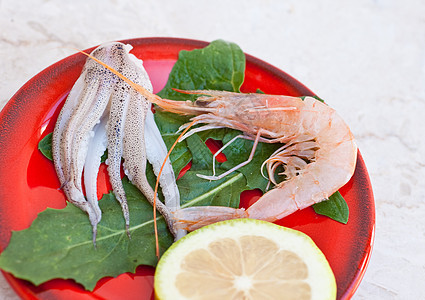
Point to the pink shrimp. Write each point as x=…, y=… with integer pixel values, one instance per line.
x=318, y=154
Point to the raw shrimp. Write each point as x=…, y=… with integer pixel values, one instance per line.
x=318, y=154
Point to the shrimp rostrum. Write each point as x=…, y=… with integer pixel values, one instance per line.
x=318, y=153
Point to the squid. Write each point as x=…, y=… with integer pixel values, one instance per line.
x=103, y=112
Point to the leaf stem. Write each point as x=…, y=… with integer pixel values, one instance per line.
x=212, y=191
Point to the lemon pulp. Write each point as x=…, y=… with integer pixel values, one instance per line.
x=244, y=259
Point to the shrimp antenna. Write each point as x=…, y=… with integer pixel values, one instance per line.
x=169, y=105
x=157, y=182
x=152, y=97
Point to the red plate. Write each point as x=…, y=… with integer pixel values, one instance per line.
x=28, y=182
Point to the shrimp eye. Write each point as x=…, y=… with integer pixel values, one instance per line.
x=202, y=102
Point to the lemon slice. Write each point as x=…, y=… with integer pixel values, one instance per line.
x=244, y=259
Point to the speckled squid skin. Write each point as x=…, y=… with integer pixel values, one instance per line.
x=134, y=151
x=99, y=94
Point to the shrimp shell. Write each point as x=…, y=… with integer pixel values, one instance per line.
x=319, y=155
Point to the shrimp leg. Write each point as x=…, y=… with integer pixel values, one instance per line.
x=241, y=136
x=195, y=130
x=251, y=156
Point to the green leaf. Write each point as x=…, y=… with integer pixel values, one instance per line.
x=223, y=192
x=219, y=66
x=201, y=155
x=168, y=124
x=315, y=97
x=335, y=208
x=58, y=244
x=45, y=146
x=239, y=151
x=104, y=157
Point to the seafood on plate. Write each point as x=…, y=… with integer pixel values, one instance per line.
x=103, y=112
x=318, y=155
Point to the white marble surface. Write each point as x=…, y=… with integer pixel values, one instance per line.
x=365, y=57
